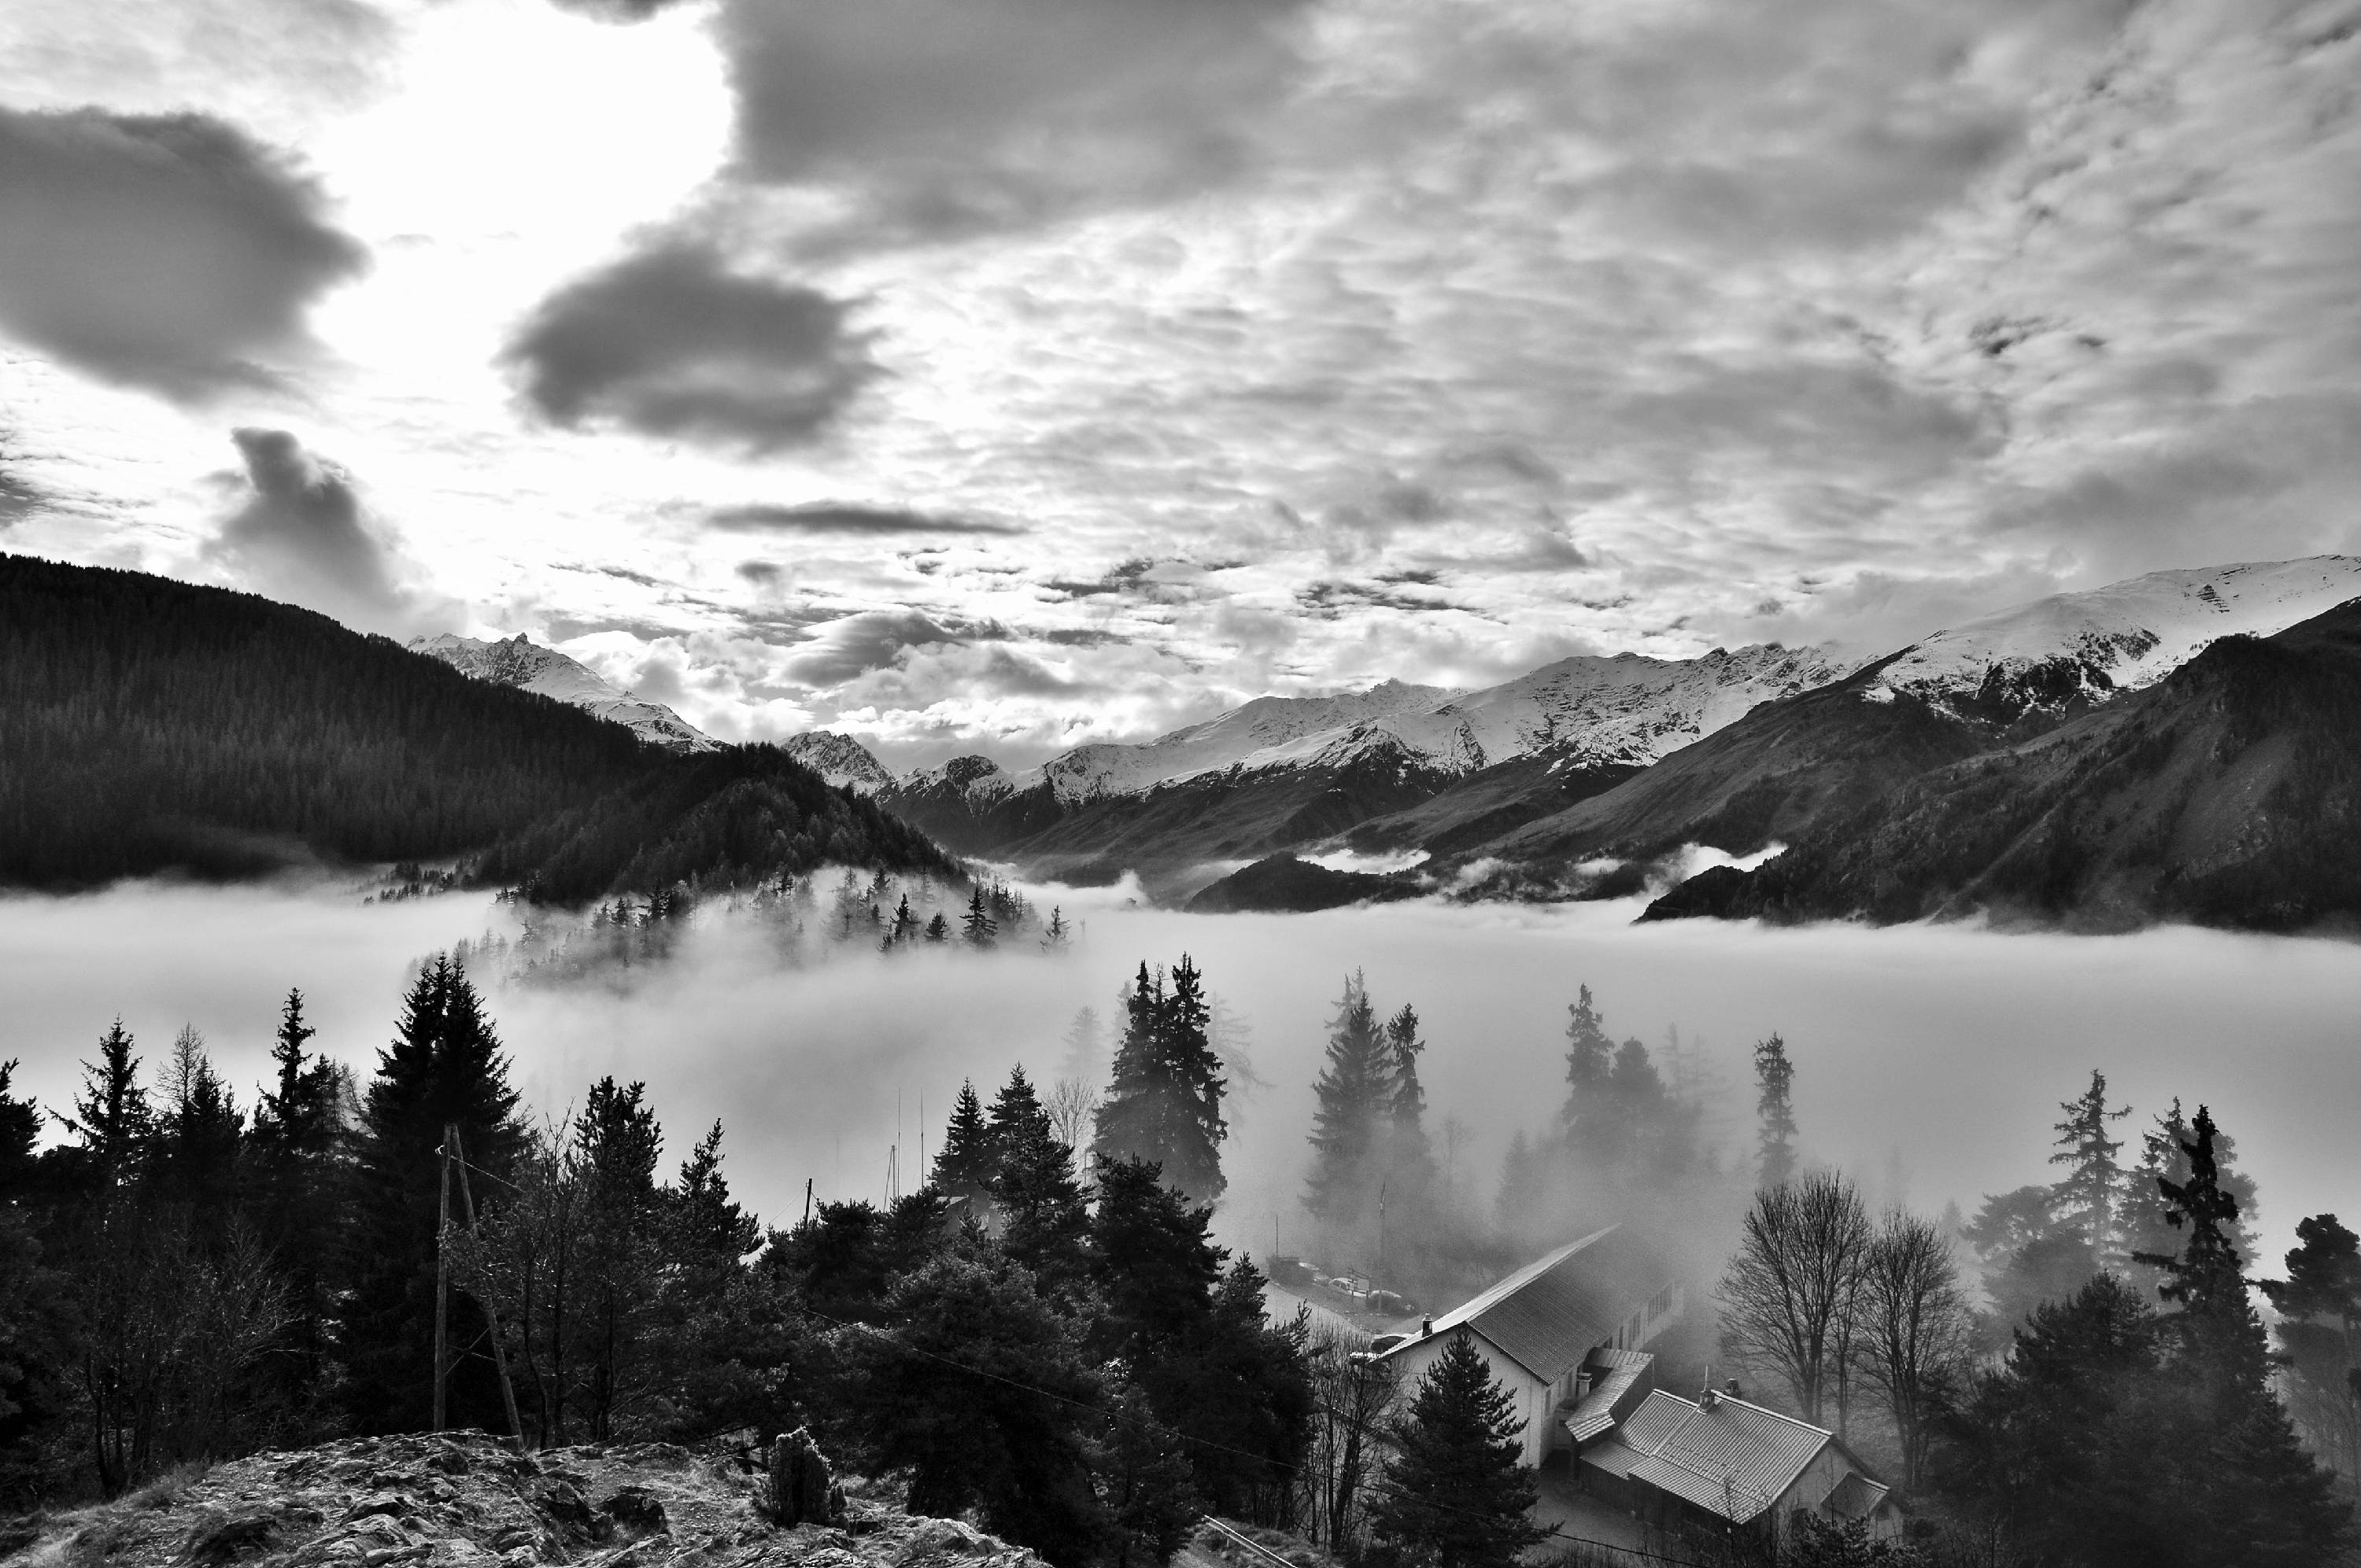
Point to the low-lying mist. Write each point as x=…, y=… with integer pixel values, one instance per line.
x=1930, y=1061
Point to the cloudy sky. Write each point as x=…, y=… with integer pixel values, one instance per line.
x=998, y=374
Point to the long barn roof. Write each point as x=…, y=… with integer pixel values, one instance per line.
x=1547, y=1315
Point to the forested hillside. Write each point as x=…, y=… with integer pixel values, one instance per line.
x=151, y=726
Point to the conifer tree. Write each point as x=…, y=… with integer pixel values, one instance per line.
x=2256, y=1497
x=1041, y=1203
x=618, y=1257
x=904, y=924
x=199, y=1133
x=2144, y=1221
x=1457, y=1494
x=964, y=1166
x=445, y=1066
x=1521, y=1185
x=1353, y=1094
x=1056, y=936
x=709, y=1226
x=1774, y=1080
x=1589, y=1058
x=2319, y=1307
x=938, y=929
x=978, y=929
x=1085, y=1041
x=111, y=1119
x=1164, y=1104
x=2087, y=1196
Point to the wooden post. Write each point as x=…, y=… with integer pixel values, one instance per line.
x=442, y=1279
x=491, y=1308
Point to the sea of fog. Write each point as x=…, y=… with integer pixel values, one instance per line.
x=1930, y=1061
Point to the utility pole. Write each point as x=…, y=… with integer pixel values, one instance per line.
x=491, y=1309
x=442, y=1279
x=808, y=1200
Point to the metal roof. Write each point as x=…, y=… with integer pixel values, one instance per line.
x=1854, y=1498
x=1547, y=1315
x=1612, y=1457
x=1615, y=1374
x=1734, y=1459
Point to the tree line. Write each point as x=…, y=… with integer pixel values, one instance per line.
x=2106, y=1394
x=181, y=728
x=1045, y=1337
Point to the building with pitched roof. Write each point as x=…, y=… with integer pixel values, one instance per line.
x=1720, y=1459
x=1564, y=1334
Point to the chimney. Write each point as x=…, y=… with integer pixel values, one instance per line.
x=1425, y=1327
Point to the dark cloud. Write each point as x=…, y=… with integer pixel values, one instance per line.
x=844, y=518
x=762, y=573
x=842, y=649
x=1330, y=600
x=950, y=118
x=1081, y=637
x=303, y=536
x=670, y=342
x=172, y=252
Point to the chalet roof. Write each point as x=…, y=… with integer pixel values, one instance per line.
x=1734, y=1459
x=1547, y=1315
x=1616, y=1374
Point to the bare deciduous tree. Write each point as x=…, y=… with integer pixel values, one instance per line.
x=1071, y=1106
x=1913, y=1333
x=1790, y=1288
x=1354, y=1397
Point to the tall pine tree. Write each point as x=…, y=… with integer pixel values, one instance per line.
x=1164, y=1105
x=1457, y=1493
x=1353, y=1099
x=964, y=1166
x=445, y=1066
x=1774, y=1109
x=2253, y=1496
x=2086, y=1197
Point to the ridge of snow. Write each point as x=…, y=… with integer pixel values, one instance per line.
x=2122, y=637
x=1625, y=709
x=978, y=778
x=524, y=664
x=839, y=759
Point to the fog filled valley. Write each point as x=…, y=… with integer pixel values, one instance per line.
x=1930, y=1061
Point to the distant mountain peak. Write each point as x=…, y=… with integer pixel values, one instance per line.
x=841, y=760
x=2070, y=651
x=521, y=663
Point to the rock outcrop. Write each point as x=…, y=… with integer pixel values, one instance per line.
x=464, y=1501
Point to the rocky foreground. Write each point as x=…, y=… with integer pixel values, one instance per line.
x=466, y=1501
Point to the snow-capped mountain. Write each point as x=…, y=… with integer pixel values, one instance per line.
x=839, y=759
x=520, y=662
x=1269, y=731
x=1626, y=709
x=2041, y=660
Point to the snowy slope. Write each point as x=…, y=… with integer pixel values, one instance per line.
x=839, y=759
x=1624, y=710
x=1627, y=708
x=1269, y=731
x=2039, y=658
x=521, y=662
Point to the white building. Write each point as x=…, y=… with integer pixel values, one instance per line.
x=1560, y=1336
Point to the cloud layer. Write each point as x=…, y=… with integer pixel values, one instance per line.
x=172, y=252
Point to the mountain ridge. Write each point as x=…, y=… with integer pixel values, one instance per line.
x=521, y=663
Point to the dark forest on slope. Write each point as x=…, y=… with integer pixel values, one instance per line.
x=150, y=726
x=2224, y=794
